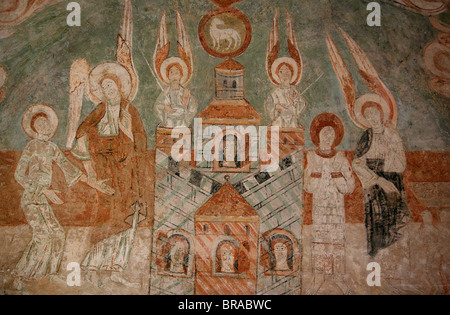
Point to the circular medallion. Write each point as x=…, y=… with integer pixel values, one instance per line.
x=225, y=32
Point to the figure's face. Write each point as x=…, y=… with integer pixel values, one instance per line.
x=285, y=75
x=227, y=256
x=326, y=137
x=280, y=251
x=43, y=128
x=177, y=254
x=174, y=75
x=110, y=90
x=373, y=116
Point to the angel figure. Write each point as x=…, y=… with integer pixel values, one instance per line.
x=176, y=106
x=380, y=159
x=285, y=104
x=112, y=144
x=43, y=255
x=328, y=176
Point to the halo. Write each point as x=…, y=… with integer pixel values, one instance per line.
x=370, y=98
x=290, y=61
x=36, y=109
x=434, y=56
x=104, y=69
x=170, y=61
x=231, y=13
x=323, y=120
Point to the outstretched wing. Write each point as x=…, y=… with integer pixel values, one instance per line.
x=371, y=76
x=125, y=45
x=273, y=47
x=293, y=47
x=344, y=77
x=162, y=47
x=184, y=45
x=79, y=85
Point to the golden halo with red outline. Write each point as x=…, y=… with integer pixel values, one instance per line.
x=231, y=12
x=323, y=120
x=104, y=69
x=367, y=99
x=39, y=109
x=170, y=61
x=296, y=76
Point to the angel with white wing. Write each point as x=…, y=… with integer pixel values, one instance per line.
x=285, y=104
x=112, y=144
x=175, y=106
x=380, y=158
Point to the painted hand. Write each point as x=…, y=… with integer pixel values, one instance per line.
x=104, y=188
x=168, y=109
x=280, y=108
x=98, y=184
x=186, y=98
x=388, y=187
x=52, y=196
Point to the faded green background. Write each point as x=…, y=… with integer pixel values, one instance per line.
x=39, y=55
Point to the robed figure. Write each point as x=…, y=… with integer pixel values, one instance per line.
x=175, y=106
x=328, y=176
x=284, y=105
x=379, y=159
x=112, y=144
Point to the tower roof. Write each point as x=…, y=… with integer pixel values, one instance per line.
x=231, y=65
x=227, y=205
x=230, y=112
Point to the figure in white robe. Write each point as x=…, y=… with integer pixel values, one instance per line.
x=34, y=173
x=379, y=163
x=328, y=176
x=285, y=105
x=176, y=107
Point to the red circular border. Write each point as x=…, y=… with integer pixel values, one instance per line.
x=323, y=120
x=225, y=3
x=205, y=19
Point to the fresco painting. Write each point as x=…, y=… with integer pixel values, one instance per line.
x=159, y=169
